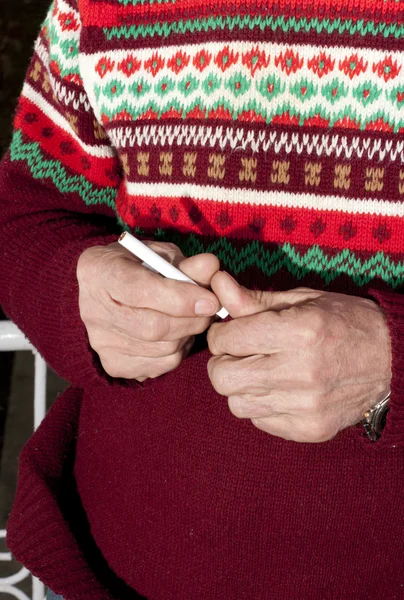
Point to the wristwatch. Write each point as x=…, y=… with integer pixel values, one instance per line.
x=374, y=419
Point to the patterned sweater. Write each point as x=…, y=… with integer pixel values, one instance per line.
x=271, y=134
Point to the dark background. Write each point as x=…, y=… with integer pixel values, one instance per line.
x=20, y=21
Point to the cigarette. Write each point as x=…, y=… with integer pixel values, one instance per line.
x=155, y=262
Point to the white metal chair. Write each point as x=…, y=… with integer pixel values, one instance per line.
x=12, y=339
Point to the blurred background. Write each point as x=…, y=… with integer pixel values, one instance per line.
x=19, y=23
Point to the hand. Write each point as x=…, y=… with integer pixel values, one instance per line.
x=301, y=364
x=140, y=324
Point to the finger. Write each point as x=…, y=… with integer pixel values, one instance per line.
x=297, y=403
x=262, y=375
x=152, y=326
x=251, y=375
x=131, y=284
x=170, y=252
x=200, y=267
x=141, y=367
x=263, y=333
x=252, y=406
x=311, y=431
x=114, y=342
x=240, y=301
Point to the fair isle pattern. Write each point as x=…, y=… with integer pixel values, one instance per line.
x=251, y=82
x=228, y=139
x=277, y=137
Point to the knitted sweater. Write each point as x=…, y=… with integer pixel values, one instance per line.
x=268, y=133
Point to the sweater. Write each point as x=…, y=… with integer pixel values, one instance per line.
x=271, y=134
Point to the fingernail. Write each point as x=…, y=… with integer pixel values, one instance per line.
x=232, y=278
x=205, y=308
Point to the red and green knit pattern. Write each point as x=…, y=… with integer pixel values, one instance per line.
x=277, y=131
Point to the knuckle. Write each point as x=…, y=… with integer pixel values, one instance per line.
x=262, y=425
x=212, y=338
x=111, y=366
x=168, y=250
x=87, y=312
x=166, y=349
x=155, y=327
x=85, y=265
x=97, y=341
x=237, y=407
x=122, y=271
x=173, y=347
x=313, y=329
x=220, y=376
x=167, y=364
x=314, y=405
x=319, y=430
x=200, y=325
x=314, y=375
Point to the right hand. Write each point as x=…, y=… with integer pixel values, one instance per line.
x=140, y=324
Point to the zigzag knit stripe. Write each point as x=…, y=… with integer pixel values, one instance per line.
x=344, y=146
x=299, y=264
x=248, y=22
x=53, y=170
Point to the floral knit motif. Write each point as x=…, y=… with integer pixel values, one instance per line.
x=274, y=126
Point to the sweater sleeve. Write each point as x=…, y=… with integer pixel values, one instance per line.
x=58, y=184
x=393, y=306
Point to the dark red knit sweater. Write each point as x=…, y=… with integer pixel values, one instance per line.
x=272, y=135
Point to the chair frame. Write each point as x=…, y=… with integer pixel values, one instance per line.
x=12, y=340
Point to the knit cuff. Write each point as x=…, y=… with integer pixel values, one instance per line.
x=74, y=357
x=393, y=306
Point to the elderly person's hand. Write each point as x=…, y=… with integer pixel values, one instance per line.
x=140, y=324
x=301, y=364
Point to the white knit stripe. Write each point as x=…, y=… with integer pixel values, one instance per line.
x=270, y=198
x=103, y=151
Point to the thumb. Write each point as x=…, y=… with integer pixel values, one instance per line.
x=201, y=268
x=240, y=301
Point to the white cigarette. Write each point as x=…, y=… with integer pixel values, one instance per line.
x=155, y=262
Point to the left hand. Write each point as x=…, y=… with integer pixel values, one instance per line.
x=301, y=364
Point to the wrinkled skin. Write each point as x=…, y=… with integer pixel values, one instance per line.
x=301, y=364
x=141, y=324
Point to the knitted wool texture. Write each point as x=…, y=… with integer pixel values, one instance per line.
x=272, y=135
